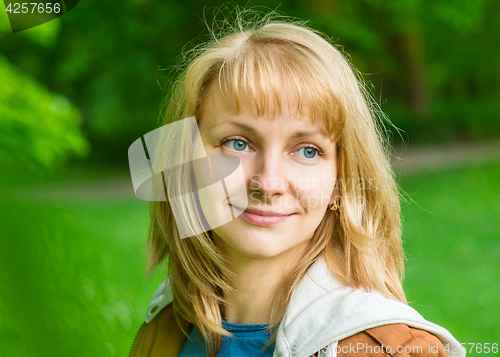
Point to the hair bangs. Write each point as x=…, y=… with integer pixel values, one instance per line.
x=273, y=77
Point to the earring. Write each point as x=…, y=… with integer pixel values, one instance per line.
x=334, y=206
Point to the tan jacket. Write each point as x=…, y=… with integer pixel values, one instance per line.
x=163, y=337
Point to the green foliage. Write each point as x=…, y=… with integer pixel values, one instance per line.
x=39, y=128
x=4, y=20
x=430, y=64
x=45, y=34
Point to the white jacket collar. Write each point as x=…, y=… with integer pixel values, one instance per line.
x=322, y=311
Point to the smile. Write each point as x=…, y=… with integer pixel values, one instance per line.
x=263, y=218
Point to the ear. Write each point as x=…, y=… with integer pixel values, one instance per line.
x=336, y=193
x=335, y=196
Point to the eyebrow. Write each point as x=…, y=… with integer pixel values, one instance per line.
x=301, y=134
x=297, y=134
x=241, y=125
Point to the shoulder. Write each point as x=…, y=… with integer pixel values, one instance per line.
x=162, y=336
x=396, y=340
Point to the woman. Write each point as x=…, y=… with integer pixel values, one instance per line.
x=311, y=261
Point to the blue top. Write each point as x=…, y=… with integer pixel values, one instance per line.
x=248, y=341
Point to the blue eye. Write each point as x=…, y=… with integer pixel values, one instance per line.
x=237, y=145
x=309, y=153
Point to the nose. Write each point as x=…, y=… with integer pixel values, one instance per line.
x=269, y=177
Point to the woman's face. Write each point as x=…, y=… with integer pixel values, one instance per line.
x=290, y=168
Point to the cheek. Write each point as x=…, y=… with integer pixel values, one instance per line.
x=314, y=192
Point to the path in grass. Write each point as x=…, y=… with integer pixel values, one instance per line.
x=415, y=160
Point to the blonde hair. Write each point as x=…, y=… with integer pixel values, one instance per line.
x=361, y=241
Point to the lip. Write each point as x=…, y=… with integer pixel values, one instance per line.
x=264, y=218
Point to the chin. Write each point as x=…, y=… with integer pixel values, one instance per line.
x=260, y=250
x=254, y=243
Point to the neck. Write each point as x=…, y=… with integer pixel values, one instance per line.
x=258, y=281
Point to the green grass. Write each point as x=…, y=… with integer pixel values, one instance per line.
x=451, y=237
x=72, y=273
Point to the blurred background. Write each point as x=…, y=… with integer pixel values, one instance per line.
x=77, y=91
